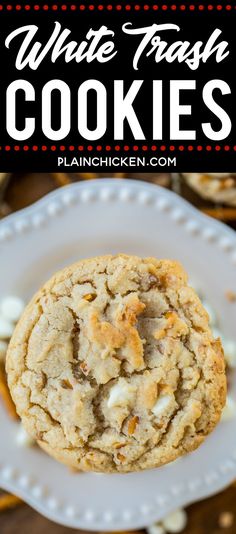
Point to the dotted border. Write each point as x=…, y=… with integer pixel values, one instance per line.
x=118, y=148
x=118, y=7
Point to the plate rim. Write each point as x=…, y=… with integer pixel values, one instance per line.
x=116, y=182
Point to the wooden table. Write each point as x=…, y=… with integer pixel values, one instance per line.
x=203, y=517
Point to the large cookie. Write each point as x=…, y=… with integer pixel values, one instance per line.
x=113, y=367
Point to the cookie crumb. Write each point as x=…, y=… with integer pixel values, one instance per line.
x=226, y=520
x=230, y=296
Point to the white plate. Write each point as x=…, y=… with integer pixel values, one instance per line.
x=110, y=216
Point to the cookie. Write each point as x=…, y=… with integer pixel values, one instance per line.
x=113, y=368
x=217, y=187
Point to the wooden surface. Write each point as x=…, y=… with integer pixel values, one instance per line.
x=203, y=517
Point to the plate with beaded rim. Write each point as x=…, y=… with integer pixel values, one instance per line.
x=109, y=216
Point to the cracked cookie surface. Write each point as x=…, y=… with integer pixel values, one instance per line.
x=113, y=367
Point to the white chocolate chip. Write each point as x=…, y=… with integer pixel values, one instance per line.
x=230, y=352
x=6, y=328
x=163, y=404
x=121, y=394
x=11, y=308
x=3, y=350
x=176, y=521
x=23, y=439
x=156, y=528
x=229, y=410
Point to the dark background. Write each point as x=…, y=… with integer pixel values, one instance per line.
x=195, y=25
